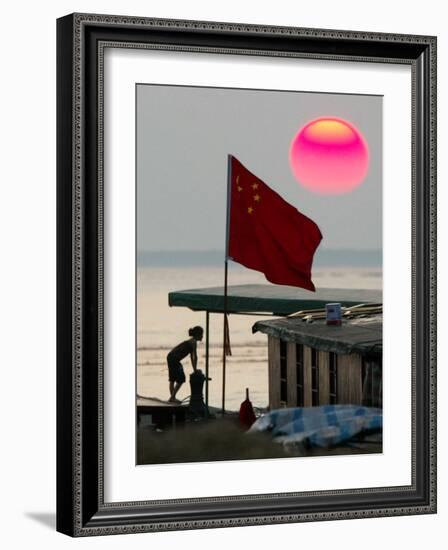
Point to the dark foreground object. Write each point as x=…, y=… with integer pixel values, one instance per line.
x=224, y=439
x=162, y=413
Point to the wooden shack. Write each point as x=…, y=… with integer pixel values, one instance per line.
x=319, y=364
x=275, y=300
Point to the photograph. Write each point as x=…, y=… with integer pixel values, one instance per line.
x=259, y=256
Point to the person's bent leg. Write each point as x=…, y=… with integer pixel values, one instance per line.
x=176, y=389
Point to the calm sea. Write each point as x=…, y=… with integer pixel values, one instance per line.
x=160, y=327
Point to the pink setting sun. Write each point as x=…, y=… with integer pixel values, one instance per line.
x=329, y=156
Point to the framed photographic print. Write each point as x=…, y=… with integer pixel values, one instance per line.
x=246, y=274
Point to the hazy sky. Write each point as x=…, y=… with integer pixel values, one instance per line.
x=185, y=133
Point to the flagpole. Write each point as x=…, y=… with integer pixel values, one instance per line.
x=226, y=269
x=224, y=339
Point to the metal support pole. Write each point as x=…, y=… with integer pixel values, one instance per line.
x=207, y=355
x=226, y=269
x=224, y=351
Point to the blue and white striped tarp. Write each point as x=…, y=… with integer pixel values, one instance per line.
x=323, y=426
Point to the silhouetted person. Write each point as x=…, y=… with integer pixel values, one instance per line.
x=176, y=375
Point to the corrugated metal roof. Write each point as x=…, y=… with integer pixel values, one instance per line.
x=359, y=335
x=271, y=299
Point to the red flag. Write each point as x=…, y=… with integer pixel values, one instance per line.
x=268, y=234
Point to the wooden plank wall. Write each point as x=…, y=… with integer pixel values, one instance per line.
x=349, y=376
x=307, y=376
x=323, y=359
x=274, y=372
x=350, y=379
x=291, y=374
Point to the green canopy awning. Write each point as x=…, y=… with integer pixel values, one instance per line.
x=268, y=299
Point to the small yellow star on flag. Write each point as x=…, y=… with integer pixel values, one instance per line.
x=257, y=198
x=255, y=186
x=239, y=188
x=250, y=210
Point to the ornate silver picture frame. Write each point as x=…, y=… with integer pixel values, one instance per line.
x=82, y=505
